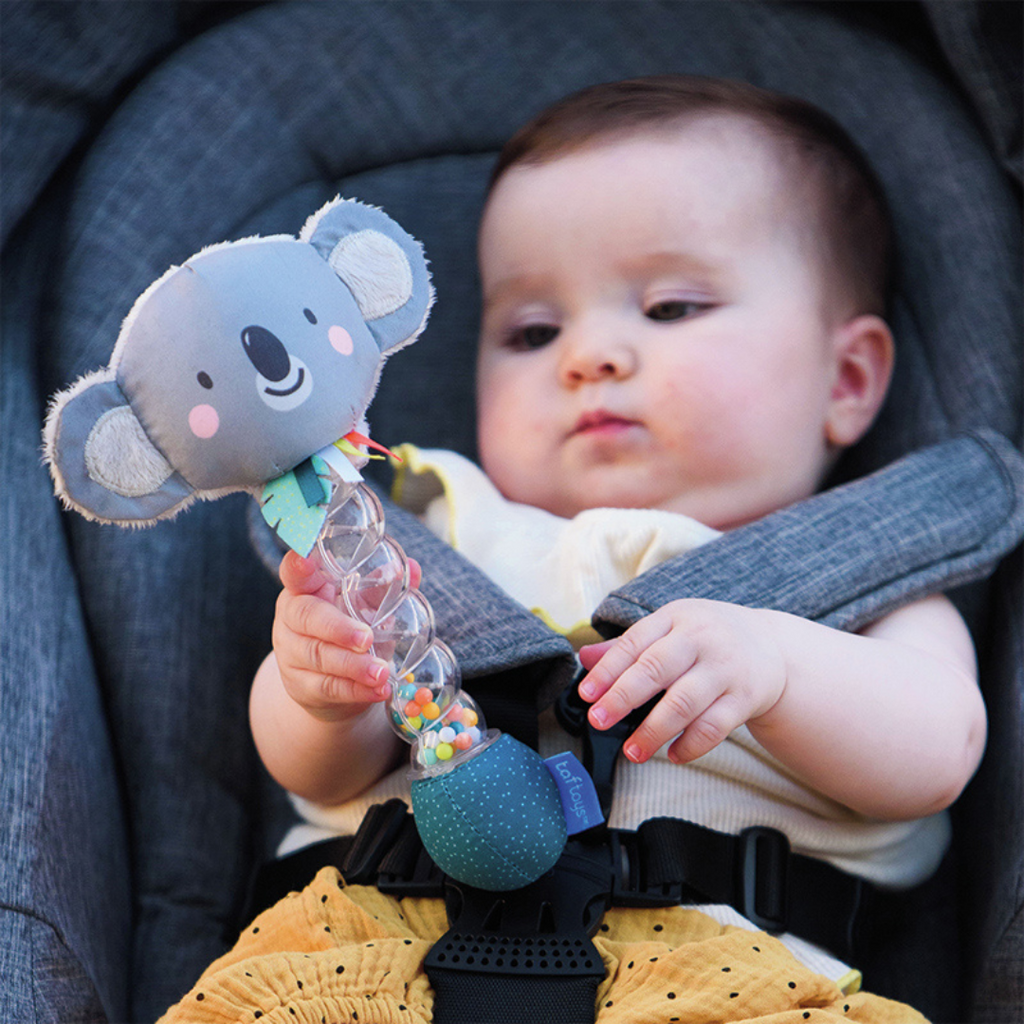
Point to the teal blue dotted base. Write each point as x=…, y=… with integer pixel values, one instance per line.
x=495, y=822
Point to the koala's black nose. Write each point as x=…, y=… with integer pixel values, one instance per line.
x=266, y=352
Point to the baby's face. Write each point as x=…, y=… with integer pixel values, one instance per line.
x=653, y=335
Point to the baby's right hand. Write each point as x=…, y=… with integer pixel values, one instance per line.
x=322, y=653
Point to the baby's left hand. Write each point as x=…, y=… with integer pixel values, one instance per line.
x=718, y=664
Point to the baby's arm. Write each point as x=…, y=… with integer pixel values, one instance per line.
x=889, y=722
x=316, y=706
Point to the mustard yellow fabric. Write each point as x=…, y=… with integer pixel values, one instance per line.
x=335, y=953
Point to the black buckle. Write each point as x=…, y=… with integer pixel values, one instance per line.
x=378, y=831
x=763, y=883
x=542, y=929
x=408, y=870
x=630, y=885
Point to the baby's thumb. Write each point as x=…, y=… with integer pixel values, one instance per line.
x=301, y=575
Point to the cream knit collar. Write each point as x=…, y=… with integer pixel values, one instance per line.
x=561, y=569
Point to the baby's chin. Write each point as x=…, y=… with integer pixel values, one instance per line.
x=721, y=507
x=718, y=515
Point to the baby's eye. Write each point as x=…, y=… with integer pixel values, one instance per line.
x=673, y=309
x=532, y=336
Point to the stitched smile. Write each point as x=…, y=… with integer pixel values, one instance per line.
x=283, y=392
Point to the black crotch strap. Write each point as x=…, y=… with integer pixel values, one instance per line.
x=524, y=957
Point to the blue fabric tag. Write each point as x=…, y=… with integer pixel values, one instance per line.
x=576, y=788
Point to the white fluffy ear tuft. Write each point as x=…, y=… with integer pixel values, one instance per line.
x=120, y=457
x=376, y=271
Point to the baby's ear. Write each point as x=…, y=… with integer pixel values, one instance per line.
x=382, y=265
x=863, y=355
x=102, y=463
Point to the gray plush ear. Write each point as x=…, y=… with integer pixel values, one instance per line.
x=102, y=463
x=382, y=265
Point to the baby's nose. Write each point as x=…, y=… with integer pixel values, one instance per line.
x=594, y=359
x=266, y=352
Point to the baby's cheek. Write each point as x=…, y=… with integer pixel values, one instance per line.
x=203, y=421
x=340, y=339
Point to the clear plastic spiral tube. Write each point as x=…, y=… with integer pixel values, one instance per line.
x=427, y=707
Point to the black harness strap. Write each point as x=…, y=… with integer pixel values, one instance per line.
x=527, y=956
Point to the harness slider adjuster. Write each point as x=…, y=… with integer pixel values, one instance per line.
x=377, y=834
x=763, y=885
x=630, y=886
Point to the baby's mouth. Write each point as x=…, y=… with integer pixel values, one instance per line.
x=601, y=422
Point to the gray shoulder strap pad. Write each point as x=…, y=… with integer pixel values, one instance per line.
x=932, y=521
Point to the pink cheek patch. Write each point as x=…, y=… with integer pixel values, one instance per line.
x=340, y=339
x=203, y=421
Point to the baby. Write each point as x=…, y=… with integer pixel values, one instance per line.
x=682, y=311
x=683, y=297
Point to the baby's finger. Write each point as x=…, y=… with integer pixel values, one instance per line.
x=415, y=573
x=365, y=674
x=331, y=696
x=683, y=704
x=304, y=576
x=618, y=655
x=591, y=654
x=655, y=668
x=706, y=731
x=307, y=615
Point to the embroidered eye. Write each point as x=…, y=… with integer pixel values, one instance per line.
x=308, y=314
x=204, y=379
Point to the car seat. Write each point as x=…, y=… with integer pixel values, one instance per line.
x=134, y=808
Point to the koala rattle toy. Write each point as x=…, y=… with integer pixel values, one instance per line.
x=250, y=367
x=233, y=368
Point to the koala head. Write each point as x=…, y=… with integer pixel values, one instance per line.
x=237, y=365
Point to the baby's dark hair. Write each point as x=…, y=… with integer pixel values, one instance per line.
x=814, y=153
